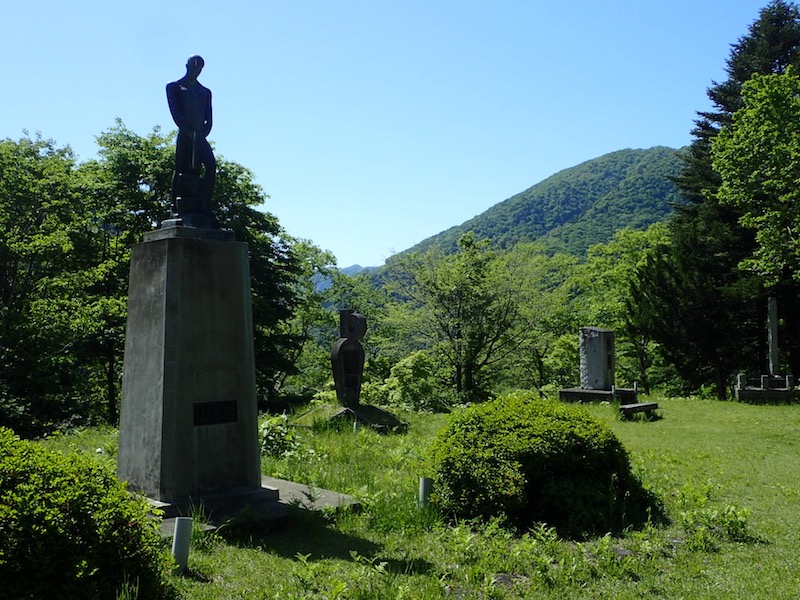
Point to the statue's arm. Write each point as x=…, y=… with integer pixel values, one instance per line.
x=175, y=106
x=209, y=118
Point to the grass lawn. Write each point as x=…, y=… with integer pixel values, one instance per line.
x=726, y=472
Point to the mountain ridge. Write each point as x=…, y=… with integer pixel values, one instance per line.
x=577, y=207
x=580, y=205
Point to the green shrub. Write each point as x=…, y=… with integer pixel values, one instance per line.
x=414, y=384
x=276, y=437
x=374, y=393
x=68, y=528
x=325, y=397
x=536, y=461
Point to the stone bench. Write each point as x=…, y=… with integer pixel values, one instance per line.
x=626, y=410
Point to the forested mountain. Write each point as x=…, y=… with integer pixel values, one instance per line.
x=579, y=206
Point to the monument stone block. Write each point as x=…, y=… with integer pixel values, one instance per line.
x=597, y=358
x=188, y=424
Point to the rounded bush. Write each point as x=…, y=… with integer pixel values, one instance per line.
x=414, y=384
x=68, y=528
x=533, y=460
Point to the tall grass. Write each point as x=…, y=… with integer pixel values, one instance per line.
x=727, y=473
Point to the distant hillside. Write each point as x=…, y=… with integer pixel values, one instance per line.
x=322, y=283
x=356, y=269
x=579, y=206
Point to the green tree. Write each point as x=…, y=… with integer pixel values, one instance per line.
x=469, y=306
x=701, y=271
x=771, y=45
x=65, y=236
x=758, y=159
x=415, y=384
x=548, y=355
x=312, y=327
x=36, y=215
x=704, y=320
x=606, y=282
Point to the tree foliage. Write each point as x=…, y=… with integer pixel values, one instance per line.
x=758, y=159
x=66, y=230
x=699, y=279
x=772, y=44
x=705, y=321
x=469, y=308
x=548, y=354
x=36, y=249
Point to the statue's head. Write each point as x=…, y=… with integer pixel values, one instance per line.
x=195, y=64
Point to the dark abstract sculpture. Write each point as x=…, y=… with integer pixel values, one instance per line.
x=347, y=363
x=195, y=165
x=347, y=357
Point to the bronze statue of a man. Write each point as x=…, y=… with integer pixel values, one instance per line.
x=190, y=105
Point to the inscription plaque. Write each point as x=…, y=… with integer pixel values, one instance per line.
x=215, y=413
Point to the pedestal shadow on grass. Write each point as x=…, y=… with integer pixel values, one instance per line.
x=308, y=534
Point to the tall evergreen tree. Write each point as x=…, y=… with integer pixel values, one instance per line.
x=702, y=269
x=770, y=46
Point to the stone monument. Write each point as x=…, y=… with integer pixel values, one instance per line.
x=347, y=358
x=347, y=365
x=597, y=365
x=597, y=369
x=188, y=422
x=772, y=388
x=772, y=336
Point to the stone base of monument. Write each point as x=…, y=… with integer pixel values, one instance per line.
x=621, y=395
x=255, y=503
x=364, y=414
x=188, y=421
x=767, y=389
x=378, y=419
x=213, y=513
x=189, y=426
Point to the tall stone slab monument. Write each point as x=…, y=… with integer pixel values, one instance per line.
x=188, y=423
x=597, y=370
x=597, y=359
x=774, y=387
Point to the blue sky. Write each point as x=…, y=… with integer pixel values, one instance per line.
x=375, y=124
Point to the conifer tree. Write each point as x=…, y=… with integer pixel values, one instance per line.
x=723, y=306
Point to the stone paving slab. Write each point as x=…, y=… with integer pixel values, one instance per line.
x=289, y=494
x=309, y=498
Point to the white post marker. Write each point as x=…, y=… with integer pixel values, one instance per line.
x=181, y=538
x=425, y=484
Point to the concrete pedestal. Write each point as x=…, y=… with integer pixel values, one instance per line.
x=188, y=424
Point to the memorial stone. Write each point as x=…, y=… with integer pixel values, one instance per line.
x=347, y=364
x=772, y=336
x=597, y=358
x=188, y=422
